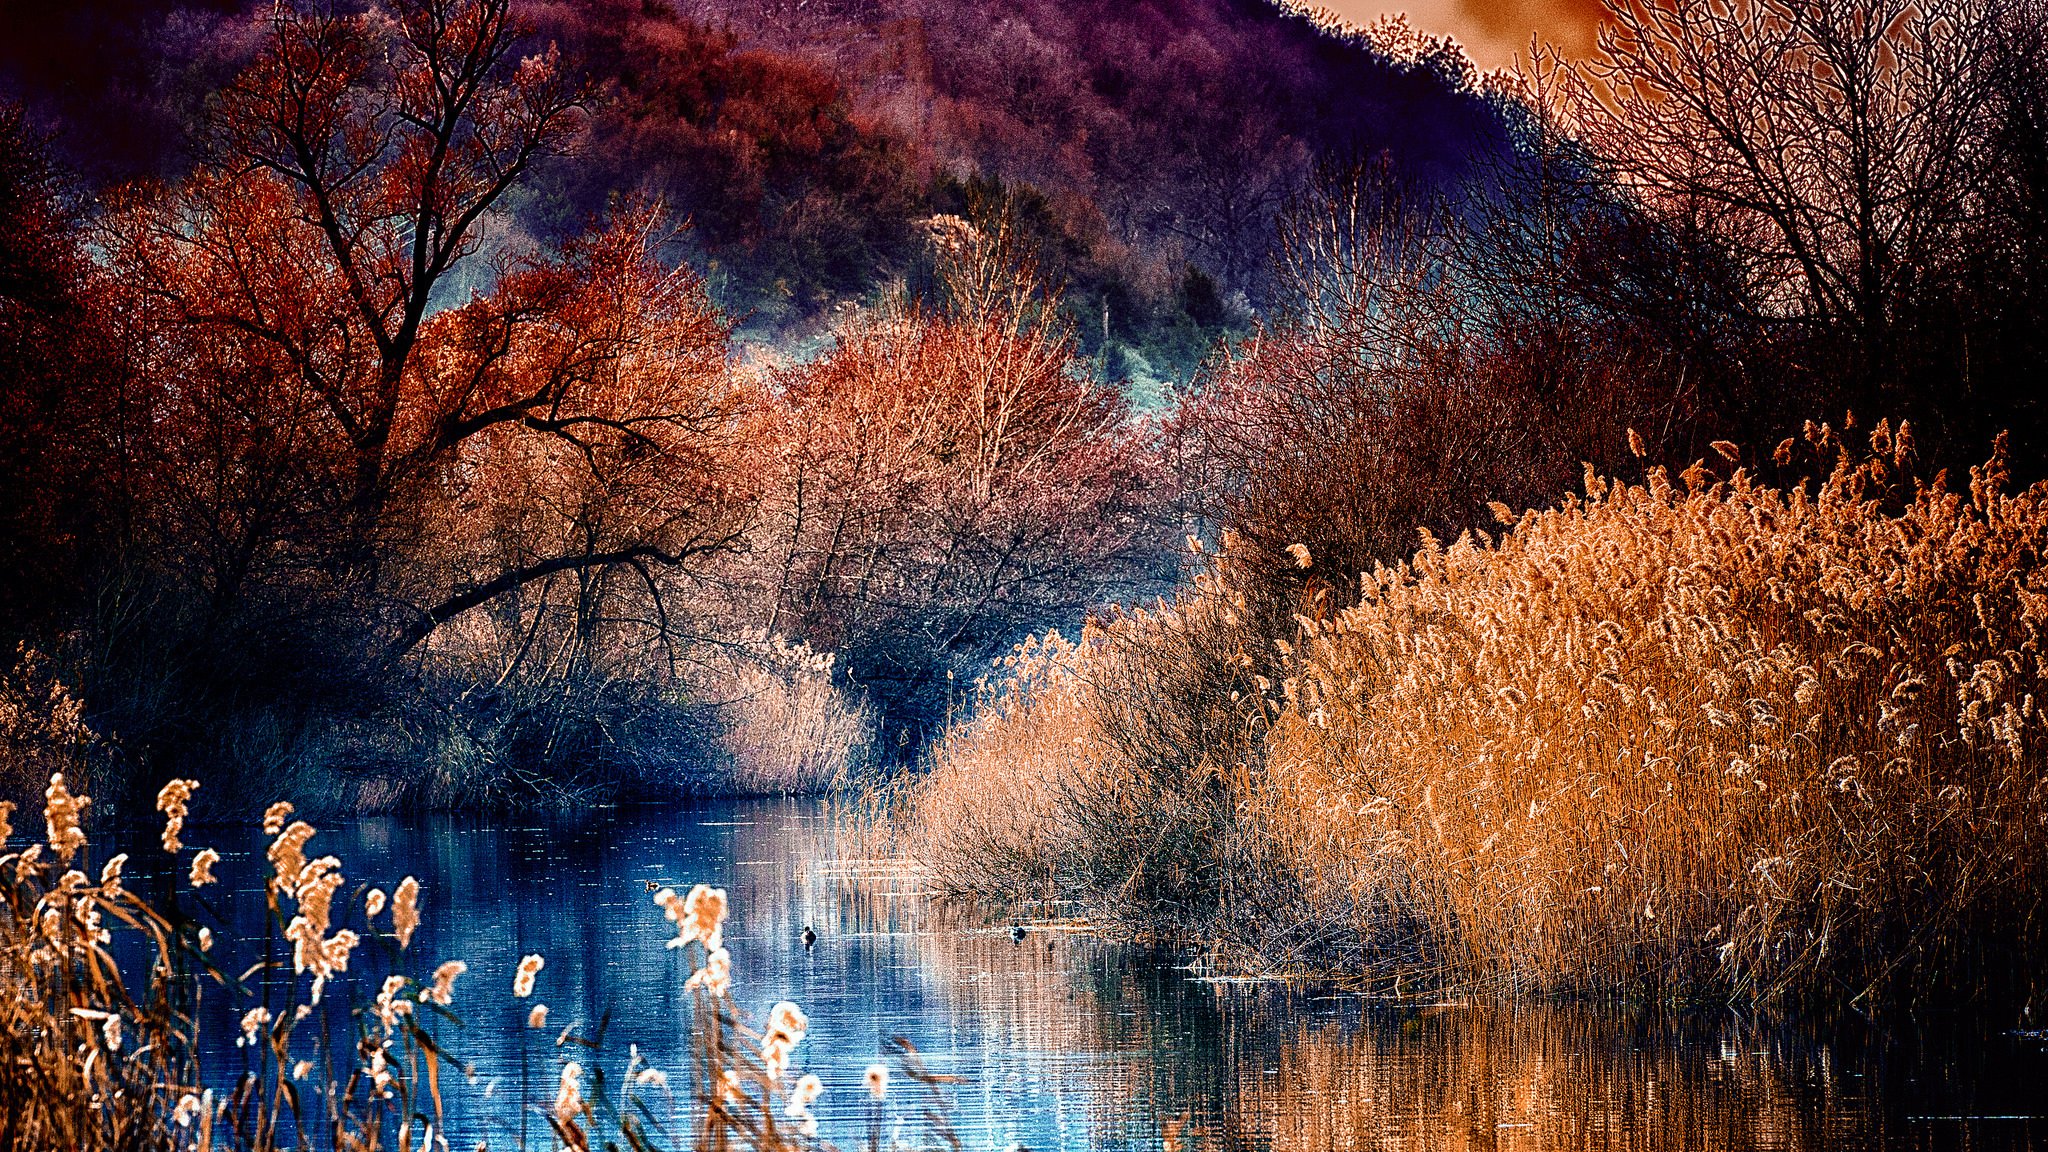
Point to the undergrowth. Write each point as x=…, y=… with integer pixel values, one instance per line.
x=1707, y=739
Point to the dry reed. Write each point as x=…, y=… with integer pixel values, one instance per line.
x=1706, y=739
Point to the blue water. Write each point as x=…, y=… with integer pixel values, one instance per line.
x=1067, y=1041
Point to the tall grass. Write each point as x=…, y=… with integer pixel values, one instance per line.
x=783, y=725
x=1707, y=739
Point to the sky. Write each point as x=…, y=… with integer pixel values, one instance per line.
x=1492, y=31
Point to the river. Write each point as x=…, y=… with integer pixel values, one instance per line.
x=1066, y=1041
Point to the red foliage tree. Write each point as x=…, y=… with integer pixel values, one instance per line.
x=323, y=386
x=952, y=476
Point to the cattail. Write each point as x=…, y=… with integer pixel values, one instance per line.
x=273, y=817
x=803, y=1094
x=252, y=1022
x=877, y=1080
x=775, y=1051
x=287, y=854
x=699, y=916
x=569, y=1096
x=63, y=816
x=538, y=1017
x=312, y=949
x=443, y=990
x=110, y=1028
x=789, y=1019
x=522, y=980
x=405, y=911
x=84, y=912
x=189, y=1109
x=1726, y=450
x=110, y=873
x=715, y=976
x=373, y=902
x=172, y=801
x=389, y=1004
x=6, y=814
x=202, y=867
x=786, y=1027
x=301, y=1069
x=1302, y=559
x=651, y=1078
x=205, y=939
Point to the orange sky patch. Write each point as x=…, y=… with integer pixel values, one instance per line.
x=1493, y=31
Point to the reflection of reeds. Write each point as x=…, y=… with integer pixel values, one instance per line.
x=1712, y=738
x=1088, y=1035
x=1262, y=1065
x=1534, y=1077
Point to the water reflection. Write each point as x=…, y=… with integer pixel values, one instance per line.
x=1065, y=1041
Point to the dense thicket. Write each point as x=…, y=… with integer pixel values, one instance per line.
x=1649, y=740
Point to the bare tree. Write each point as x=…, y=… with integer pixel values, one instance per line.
x=1837, y=147
x=341, y=356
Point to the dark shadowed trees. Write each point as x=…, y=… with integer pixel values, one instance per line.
x=366, y=412
x=1872, y=167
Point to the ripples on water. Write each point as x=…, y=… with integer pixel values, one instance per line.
x=1065, y=1041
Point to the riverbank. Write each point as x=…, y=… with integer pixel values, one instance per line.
x=1704, y=740
x=760, y=718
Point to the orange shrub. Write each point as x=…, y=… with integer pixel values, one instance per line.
x=1714, y=739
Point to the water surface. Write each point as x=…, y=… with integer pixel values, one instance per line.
x=1064, y=1041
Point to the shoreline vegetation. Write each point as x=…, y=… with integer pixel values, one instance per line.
x=101, y=1058
x=358, y=459
x=1703, y=739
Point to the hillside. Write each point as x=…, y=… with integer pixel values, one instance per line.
x=1143, y=146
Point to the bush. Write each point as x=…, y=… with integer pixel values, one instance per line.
x=1719, y=739
x=782, y=725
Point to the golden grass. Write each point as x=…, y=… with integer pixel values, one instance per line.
x=782, y=724
x=1715, y=739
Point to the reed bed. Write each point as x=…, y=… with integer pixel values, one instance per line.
x=1710, y=738
x=782, y=724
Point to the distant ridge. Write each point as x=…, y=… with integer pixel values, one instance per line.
x=1156, y=139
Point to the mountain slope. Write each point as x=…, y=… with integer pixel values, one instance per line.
x=1143, y=146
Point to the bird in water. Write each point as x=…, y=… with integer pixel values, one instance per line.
x=651, y=885
x=1017, y=934
x=810, y=937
